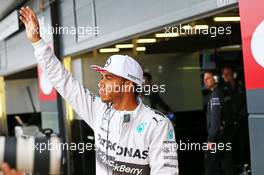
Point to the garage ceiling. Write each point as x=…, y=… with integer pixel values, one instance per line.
x=6, y=7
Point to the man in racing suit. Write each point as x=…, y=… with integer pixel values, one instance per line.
x=130, y=138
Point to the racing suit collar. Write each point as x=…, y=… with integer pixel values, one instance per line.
x=133, y=113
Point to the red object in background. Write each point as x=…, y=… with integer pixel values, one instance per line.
x=46, y=91
x=252, y=30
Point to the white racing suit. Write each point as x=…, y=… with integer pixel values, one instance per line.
x=139, y=142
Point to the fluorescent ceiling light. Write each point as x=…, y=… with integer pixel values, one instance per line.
x=226, y=19
x=166, y=35
x=147, y=40
x=109, y=50
x=191, y=68
x=231, y=47
x=124, y=46
x=201, y=27
x=141, y=49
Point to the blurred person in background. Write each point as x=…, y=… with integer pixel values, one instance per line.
x=240, y=124
x=218, y=130
x=154, y=100
x=151, y=98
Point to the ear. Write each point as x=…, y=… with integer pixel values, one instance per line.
x=127, y=82
x=128, y=85
x=216, y=78
x=235, y=75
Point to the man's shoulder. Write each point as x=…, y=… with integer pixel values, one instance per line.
x=153, y=115
x=217, y=93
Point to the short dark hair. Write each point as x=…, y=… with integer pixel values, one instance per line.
x=148, y=75
x=228, y=67
x=209, y=71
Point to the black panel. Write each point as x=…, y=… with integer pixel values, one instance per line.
x=42, y=158
x=84, y=163
x=10, y=151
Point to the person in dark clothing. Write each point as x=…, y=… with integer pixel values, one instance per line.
x=217, y=161
x=240, y=124
x=237, y=91
x=153, y=98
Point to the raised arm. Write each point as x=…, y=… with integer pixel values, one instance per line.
x=81, y=99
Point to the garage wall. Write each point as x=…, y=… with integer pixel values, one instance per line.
x=17, y=98
x=119, y=19
x=173, y=70
x=16, y=52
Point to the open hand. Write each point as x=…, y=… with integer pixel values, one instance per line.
x=30, y=20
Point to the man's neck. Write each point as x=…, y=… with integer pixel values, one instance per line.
x=126, y=103
x=233, y=83
x=213, y=88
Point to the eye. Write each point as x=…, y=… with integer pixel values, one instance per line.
x=108, y=77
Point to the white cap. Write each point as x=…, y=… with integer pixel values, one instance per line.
x=123, y=66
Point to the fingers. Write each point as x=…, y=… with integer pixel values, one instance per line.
x=23, y=20
x=6, y=169
x=24, y=17
x=32, y=14
x=13, y=172
x=20, y=173
x=28, y=15
x=23, y=11
x=35, y=21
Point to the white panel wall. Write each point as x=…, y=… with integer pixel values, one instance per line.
x=17, y=98
x=119, y=19
x=16, y=52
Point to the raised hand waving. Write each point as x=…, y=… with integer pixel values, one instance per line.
x=30, y=20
